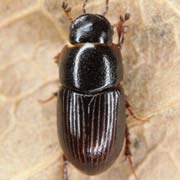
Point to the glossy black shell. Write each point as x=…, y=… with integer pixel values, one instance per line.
x=91, y=107
x=91, y=128
x=90, y=68
x=92, y=28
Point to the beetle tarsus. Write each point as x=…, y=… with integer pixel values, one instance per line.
x=67, y=10
x=84, y=6
x=44, y=101
x=128, y=153
x=107, y=8
x=121, y=28
x=65, y=168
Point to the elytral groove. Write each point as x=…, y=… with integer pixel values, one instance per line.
x=103, y=140
x=92, y=130
x=84, y=130
x=91, y=127
x=107, y=126
x=78, y=135
x=66, y=101
x=74, y=122
x=97, y=143
x=64, y=122
x=112, y=121
x=115, y=119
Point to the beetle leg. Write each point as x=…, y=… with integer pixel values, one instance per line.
x=54, y=95
x=120, y=27
x=130, y=111
x=84, y=6
x=67, y=10
x=128, y=153
x=107, y=8
x=65, y=168
x=58, y=56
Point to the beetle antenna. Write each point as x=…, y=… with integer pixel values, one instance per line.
x=67, y=10
x=84, y=6
x=107, y=8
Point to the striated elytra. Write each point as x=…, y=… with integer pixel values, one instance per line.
x=91, y=128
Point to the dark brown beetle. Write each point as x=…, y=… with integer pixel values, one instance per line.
x=91, y=102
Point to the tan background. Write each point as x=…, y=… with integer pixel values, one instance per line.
x=32, y=32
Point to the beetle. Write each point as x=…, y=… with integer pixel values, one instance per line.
x=91, y=105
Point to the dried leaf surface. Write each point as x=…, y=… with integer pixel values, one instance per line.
x=33, y=32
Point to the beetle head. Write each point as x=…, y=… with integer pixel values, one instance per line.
x=91, y=28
